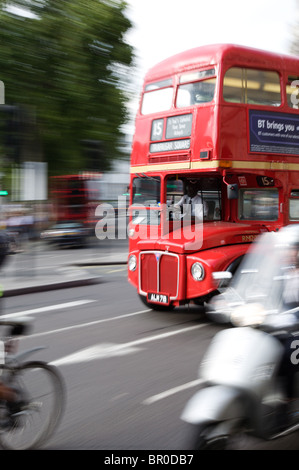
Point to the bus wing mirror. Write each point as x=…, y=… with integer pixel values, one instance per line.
x=232, y=191
x=224, y=278
x=222, y=275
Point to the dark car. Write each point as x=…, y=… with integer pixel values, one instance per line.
x=66, y=234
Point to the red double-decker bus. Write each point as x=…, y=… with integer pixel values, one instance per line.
x=75, y=197
x=224, y=117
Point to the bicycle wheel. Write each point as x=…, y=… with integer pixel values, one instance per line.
x=41, y=401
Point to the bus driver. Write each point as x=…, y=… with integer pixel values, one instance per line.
x=199, y=208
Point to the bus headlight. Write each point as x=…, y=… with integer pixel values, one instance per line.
x=197, y=271
x=132, y=263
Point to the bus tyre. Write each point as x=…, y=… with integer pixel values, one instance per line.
x=160, y=308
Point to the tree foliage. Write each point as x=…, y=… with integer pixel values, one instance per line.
x=66, y=65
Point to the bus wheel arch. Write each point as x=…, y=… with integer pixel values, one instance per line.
x=234, y=265
x=231, y=268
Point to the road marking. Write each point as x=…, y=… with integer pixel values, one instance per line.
x=96, y=351
x=85, y=325
x=100, y=351
x=116, y=270
x=49, y=308
x=172, y=391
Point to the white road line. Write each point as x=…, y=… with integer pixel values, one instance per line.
x=149, y=339
x=116, y=270
x=49, y=308
x=80, y=356
x=172, y=391
x=99, y=351
x=85, y=325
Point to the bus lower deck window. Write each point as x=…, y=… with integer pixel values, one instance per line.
x=258, y=204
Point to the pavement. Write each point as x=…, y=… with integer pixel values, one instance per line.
x=38, y=269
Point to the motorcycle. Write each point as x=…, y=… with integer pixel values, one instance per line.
x=243, y=371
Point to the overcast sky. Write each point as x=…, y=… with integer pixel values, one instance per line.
x=166, y=27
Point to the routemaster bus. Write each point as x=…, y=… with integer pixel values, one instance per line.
x=75, y=197
x=224, y=117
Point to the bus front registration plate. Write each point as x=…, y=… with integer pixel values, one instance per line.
x=158, y=298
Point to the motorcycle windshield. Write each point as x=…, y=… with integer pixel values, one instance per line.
x=269, y=273
x=270, y=269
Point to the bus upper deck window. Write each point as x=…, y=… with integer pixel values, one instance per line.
x=196, y=88
x=252, y=86
x=292, y=90
x=157, y=97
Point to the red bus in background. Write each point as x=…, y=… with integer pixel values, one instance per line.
x=227, y=118
x=75, y=197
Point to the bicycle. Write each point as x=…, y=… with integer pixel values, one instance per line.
x=30, y=420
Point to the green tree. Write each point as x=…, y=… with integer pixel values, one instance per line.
x=65, y=68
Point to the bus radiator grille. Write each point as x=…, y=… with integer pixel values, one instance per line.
x=159, y=273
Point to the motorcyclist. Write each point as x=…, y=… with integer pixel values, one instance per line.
x=269, y=279
x=290, y=300
x=291, y=288
x=250, y=372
